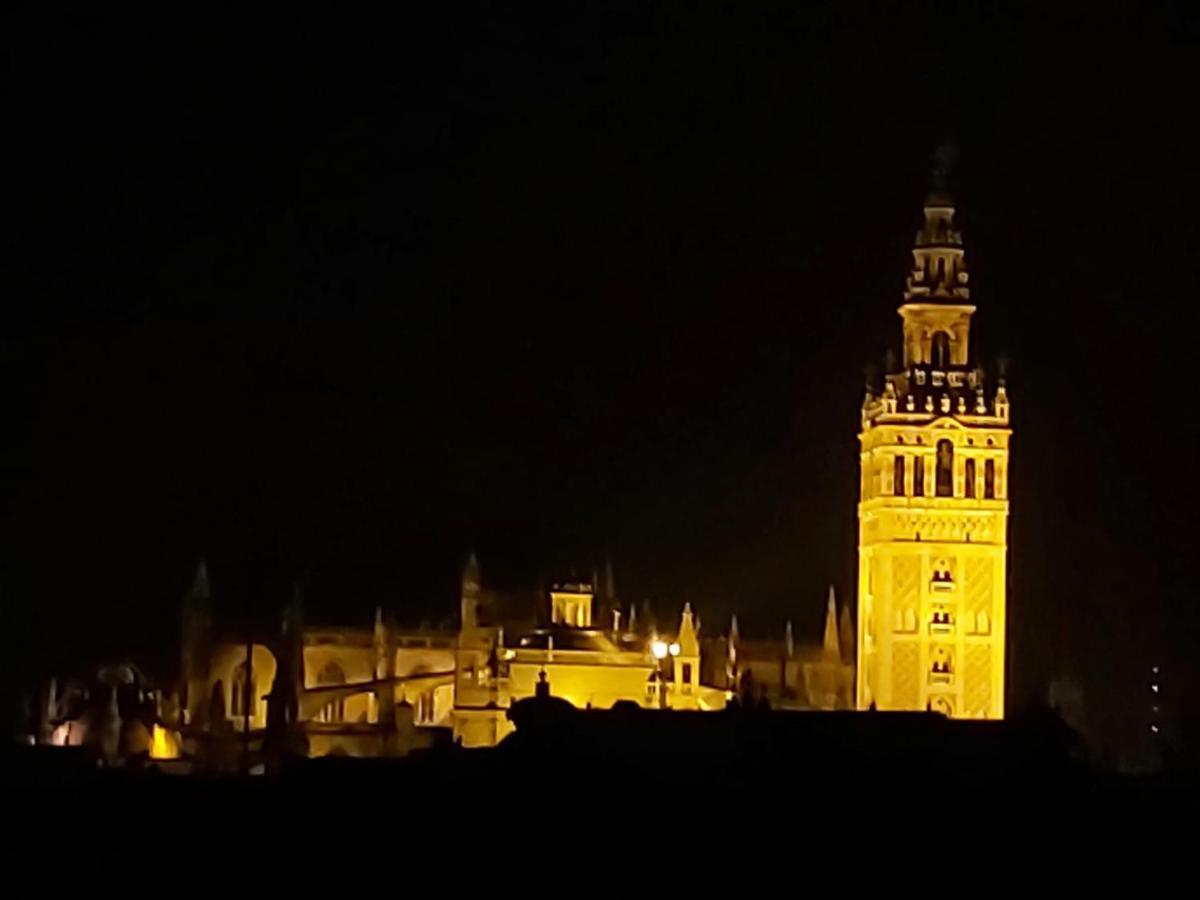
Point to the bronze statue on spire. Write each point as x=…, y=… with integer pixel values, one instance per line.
x=944, y=158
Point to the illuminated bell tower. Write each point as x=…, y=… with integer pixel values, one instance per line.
x=933, y=511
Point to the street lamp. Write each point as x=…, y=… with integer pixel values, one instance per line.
x=661, y=650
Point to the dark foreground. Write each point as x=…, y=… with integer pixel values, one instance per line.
x=571, y=785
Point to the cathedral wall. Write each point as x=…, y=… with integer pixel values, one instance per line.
x=337, y=664
x=415, y=660
x=481, y=727
x=583, y=684
x=223, y=666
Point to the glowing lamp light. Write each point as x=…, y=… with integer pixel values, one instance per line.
x=1154, y=687
x=659, y=649
x=164, y=744
x=674, y=648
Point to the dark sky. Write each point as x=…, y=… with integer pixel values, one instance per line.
x=344, y=299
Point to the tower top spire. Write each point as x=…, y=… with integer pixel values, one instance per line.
x=200, y=591
x=944, y=158
x=688, y=644
x=939, y=273
x=829, y=645
x=470, y=576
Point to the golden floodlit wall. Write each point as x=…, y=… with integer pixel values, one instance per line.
x=933, y=510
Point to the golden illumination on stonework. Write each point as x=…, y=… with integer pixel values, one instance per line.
x=933, y=510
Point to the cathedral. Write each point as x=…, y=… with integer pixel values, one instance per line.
x=930, y=629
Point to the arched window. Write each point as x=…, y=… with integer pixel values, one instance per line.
x=918, y=476
x=940, y=350
x=335, y=710
x=969, y=479
x=941, y=661
x=945, y=468
x=898, y=476
x=989, y=479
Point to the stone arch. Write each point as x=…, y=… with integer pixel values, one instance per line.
x=229, y=666
x=944, y=479
x=939, y=349
x=237, y=691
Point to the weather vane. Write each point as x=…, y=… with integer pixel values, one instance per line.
x=943, y=160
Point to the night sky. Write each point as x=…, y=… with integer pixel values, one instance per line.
x=341, y=300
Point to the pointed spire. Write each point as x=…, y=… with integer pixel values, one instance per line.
x=688, y=644
x=200, y=590
x=789, y=642
x=382, y=645
x=610, y=583
x=470, y=576
x=829, y=645
x=939, y=266
x=293, y=612
x=469, y=601
x=846, y=634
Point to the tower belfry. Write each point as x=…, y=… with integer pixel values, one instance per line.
x=933, y=509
